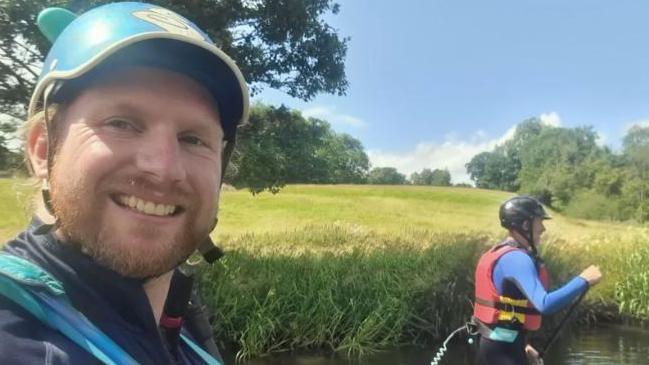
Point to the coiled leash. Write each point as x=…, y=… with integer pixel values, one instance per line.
x=471, y=329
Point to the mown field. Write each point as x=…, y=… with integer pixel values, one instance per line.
x=354, y=269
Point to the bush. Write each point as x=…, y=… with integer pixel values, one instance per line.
x=589, y=204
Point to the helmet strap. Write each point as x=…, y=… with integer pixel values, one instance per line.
x=528, y=235
x=48, y=129
x=208, y=250
x=530, y=239
x=227, y=154
x=46, y=194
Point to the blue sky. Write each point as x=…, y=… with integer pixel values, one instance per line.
x=432, y=83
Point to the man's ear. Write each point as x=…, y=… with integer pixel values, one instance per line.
x=526, y=225
x=37, y=146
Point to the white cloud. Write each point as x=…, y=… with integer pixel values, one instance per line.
x=509, y=134
x=452, y=153
x=640, y=123
x=551, y=119
x=332, y=116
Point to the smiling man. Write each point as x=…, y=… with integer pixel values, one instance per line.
x=131, y=126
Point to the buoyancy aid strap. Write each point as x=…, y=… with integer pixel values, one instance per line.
x=209, y=359
x=497, y=333
x=504, y=316
x=508, y=306
x=27, y=273
x=522, y=303
x=79, y=329
x=39, y=293
x=27, y=288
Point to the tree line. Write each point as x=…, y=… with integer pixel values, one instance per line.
x=391, y=176
x=279, y=146
x=567, y=170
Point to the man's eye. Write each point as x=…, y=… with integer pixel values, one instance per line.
x=120, y=124
x=192, y=140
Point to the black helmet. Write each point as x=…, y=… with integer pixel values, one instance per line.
x=515, y=211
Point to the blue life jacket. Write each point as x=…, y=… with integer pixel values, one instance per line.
x=38, y=292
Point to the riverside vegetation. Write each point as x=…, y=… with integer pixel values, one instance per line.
x=355, y=269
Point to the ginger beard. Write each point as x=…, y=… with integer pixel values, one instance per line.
x=81, y=214
x=134, y=136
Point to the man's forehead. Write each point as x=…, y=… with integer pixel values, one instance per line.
x=148, y=90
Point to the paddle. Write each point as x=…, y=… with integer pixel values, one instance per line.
x=561, y=325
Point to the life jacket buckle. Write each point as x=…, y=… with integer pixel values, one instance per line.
x=509, y=307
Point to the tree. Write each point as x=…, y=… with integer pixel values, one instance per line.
x=441, y=178
x=494, y=170
x=636, y=191
x=421, y=178
x=9, y=160
x=346, y=160
x=386, y=176
x=499, y=169
x=282, y=44
x=463, y=185
x=279, y=146
x=636, y=137
x=435, y=177
x=552, y=163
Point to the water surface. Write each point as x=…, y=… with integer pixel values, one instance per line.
x=605, y=345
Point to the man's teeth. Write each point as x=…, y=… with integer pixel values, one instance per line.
x=146, y=207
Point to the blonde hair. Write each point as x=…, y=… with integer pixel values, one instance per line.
x=40, y=119
x=50, y=123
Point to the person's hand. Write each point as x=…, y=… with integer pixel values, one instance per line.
x=592, y=275
x=532, y=356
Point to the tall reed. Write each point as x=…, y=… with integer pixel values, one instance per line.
x=333, y=288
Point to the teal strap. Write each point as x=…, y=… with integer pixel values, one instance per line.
x=35, y=290
x=209, y=359
x=20, y=296
x=55, y=310
x=503, y=335
x=27, y=273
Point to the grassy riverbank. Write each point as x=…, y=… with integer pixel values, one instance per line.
x=357, y=268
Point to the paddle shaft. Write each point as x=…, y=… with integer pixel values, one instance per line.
x=561, y=325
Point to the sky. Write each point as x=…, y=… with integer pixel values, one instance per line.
x=433, y=83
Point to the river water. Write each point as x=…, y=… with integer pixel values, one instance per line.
x=605, y=345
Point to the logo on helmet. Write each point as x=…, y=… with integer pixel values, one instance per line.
x=169, y=21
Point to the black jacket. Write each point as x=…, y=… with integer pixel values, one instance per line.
x=116, y=305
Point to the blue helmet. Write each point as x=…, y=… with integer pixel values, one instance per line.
x=137, y=34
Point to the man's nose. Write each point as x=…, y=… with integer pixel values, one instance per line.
x=159, y=157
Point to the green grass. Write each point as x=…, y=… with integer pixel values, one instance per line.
x=359, y=292
x=355, y=269
x=386, y=209
x=15, y=199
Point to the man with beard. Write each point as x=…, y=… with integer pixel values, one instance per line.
x=130, y=128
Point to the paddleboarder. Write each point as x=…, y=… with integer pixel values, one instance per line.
x=512, y=289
